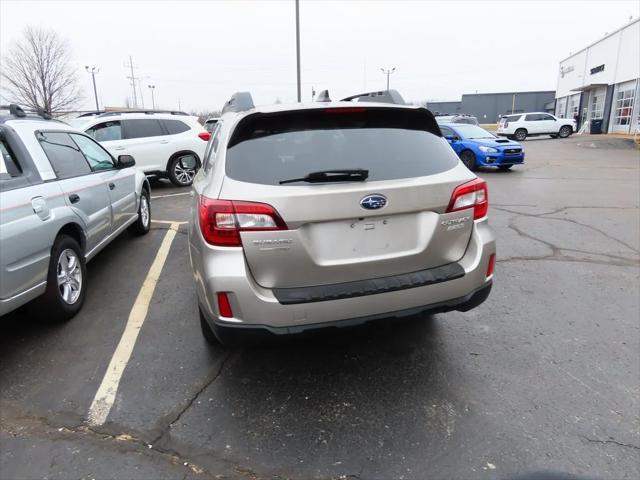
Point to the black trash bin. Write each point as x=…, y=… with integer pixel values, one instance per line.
x=596, y=126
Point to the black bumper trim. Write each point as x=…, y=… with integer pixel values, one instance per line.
x=359, y=288
x=461, y=304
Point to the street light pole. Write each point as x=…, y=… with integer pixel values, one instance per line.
x=93, y=71
x=298, y=49
x=153, y=100
x=388, y=73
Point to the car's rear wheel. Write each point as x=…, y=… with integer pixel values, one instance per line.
x=66, y=282
x=520, y=134
x=142, y=225
x=469, y=159
x=182, y=169
x=504, y=167
x=565, y=131
x=215, y=334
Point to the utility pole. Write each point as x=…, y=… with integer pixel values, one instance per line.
x=298, y=48
x=140, y=90
x=513, y=103
x=388, y=73
x=94, y=71
x=133, y=79
x=153, y=100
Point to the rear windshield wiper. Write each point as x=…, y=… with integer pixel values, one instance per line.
x=353, y=175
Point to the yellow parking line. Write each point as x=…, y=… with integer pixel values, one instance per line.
x=169, y=222
x=106, y=394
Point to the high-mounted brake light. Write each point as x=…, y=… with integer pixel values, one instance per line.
x=205, y=136
x=221, y=221
x=345, y=110
x=473, y=194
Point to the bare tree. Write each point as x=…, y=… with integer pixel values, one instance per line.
x=37, y=72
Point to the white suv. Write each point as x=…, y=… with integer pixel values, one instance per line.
x=164, y=144
x=522, y=125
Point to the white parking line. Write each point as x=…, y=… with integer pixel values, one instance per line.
x=106, y=394
x=170, y=195
x=168, y=222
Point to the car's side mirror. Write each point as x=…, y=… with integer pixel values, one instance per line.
x=125, y=161
x=451, y=138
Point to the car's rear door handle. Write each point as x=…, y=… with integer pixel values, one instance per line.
x=118, y=148
x=112, y=185
x=164, y=142
x=74, y=198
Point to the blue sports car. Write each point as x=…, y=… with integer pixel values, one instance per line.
x=478, y=148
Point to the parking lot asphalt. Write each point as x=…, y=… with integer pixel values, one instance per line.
x=543, y=377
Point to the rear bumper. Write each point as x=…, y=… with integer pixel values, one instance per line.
x=217, y=270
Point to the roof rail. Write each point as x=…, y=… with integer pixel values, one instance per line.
x=323, y=96
x=239, y=102
x=383, y=96
x=147, y=112
x=17, y=111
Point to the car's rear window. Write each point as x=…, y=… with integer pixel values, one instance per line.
x=390, y=143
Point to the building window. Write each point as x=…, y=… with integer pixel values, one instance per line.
x=597, y=106
x=624, y=107
x=560, y=108
x=574, y=105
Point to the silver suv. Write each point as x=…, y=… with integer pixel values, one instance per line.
x=333, y=214
x=62, y=199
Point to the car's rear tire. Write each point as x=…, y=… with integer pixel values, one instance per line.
x=504, y=167
x=215, y=334
x=469, y=159
x=143, y=224
x=565, y=131
x=520, y=134
x=66, y=282
x=182, y=169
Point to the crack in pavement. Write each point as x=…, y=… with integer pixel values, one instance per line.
x=611, y=441
x=558, y=253
x=42, y=428
x=175, y=417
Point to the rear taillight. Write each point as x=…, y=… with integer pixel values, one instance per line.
x=205, y=136
x=472, y=194
x=221, y=221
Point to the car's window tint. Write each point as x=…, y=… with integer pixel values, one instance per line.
x=97, y=157
x=175, y=126
x=141, y=128
x=66, y=158
x=512, y=118
x=106, y=132
x=446, y=131
x=8, y=165
x=391, y=144
x=546, y=117
x=532, y=117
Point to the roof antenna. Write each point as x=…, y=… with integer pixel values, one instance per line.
x=323, y=96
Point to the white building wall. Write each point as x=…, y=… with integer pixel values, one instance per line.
x=618, y=52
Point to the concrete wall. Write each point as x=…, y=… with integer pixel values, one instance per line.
x=445, y=107
x=487, y=107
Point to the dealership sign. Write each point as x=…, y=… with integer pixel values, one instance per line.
x=598, y=69
x=564, y=70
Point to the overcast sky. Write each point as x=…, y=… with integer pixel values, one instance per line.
x=198, y=53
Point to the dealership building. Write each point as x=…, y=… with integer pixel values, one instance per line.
x=601, y=82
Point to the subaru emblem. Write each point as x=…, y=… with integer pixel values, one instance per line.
x=373, y=202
